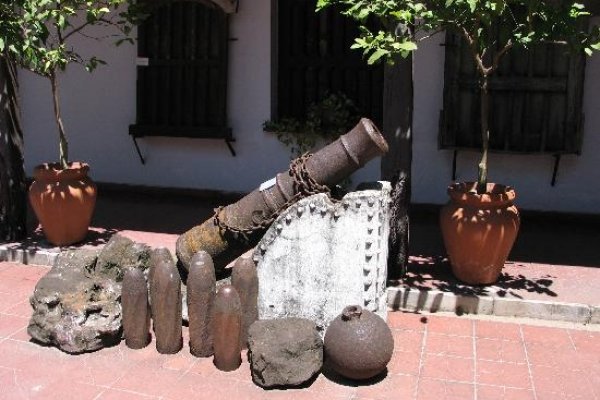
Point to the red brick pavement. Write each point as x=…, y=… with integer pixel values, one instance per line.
x=436, y=357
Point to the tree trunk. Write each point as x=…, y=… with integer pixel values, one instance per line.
x=482, y=176
x=13, y=206
x=396, y=165
x=63, y=143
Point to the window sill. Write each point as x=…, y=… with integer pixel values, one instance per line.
x=176, y=131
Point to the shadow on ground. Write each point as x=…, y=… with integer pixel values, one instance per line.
x=434, y=273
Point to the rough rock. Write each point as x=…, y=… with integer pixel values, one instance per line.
x=76, y=305
x=75, y=309
x=284, y=352
x=121, y=253
x=319, y=256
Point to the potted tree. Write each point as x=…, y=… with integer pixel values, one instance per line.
x=480, y=224
x=38, y=35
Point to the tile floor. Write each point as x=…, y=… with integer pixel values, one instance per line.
x=436, y=357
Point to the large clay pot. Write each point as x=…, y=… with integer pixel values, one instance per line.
x=358, y=344
x=479, y=230
x=63, y=201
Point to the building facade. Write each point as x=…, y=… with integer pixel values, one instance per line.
x=100, y=109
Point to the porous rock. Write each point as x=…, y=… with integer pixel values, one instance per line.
x=75, y=309
x=76, y=305
x=284, y=352
x=121, y=253
x=319, y=256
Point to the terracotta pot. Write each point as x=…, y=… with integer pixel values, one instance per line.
x=63, y=201
x=479, y=230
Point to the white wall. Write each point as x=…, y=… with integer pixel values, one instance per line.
x=99, y=108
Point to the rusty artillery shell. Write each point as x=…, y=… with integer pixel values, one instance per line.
x=201, y=286
x=245, y=281
x=157, y=255
x=327, y=166
x=227, y=326
x=136, y=310
x=165, y=291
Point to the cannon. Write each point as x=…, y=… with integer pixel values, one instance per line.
x=238, y=227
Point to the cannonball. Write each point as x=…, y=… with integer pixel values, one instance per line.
x=358, y=344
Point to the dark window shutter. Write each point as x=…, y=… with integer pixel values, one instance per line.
x=536, y=100
x=183, y=89
x=314, y=58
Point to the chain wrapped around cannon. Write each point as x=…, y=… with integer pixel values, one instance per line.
x=236, y=228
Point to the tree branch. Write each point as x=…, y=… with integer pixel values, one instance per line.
x=82, y=26
x=61, y=40
x=500, y=54
x=474, y=51
x=431, y=34
x=75, y=30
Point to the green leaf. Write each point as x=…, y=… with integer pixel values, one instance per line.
x=1, y=44
x=377, y=54
x=407, y=46
x=472, y=5
x=321, y=4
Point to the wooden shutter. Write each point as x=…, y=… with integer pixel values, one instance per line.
x=314, y=59
x=536, y=100
x=182, y=91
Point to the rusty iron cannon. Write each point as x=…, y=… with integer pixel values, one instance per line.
x=238, y=227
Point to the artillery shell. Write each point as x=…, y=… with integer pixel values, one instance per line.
x=136, y=310
x=165, y=291
x=227, y=325
x=245, y=281
x=201, y=287
x=157, y=255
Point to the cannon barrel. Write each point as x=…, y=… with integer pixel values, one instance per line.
x=239, y=226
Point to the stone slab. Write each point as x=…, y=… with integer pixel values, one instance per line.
x=319, y=257
x=579, y=313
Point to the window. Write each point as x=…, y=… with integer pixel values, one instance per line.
x=536, y=101
x=314, y=59
x=182, y=72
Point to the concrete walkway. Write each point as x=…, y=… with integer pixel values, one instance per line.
x=465, y=354
x=436, y=357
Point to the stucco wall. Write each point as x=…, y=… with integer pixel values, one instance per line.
x=98, y=109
